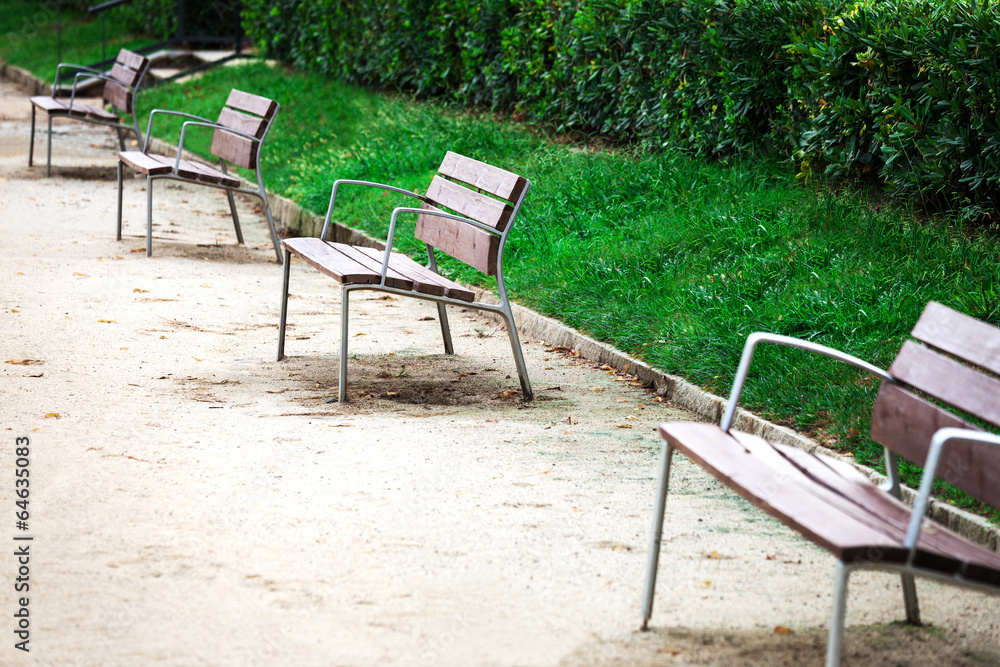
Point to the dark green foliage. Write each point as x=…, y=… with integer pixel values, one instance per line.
x=900, y=91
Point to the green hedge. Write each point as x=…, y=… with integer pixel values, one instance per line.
x=897, y=90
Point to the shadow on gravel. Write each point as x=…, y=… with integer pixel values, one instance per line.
x=893, y=644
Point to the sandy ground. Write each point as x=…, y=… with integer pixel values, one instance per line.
x=193, y=501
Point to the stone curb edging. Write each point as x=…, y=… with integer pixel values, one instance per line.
x=292, y=218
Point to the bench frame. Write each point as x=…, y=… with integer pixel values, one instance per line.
x=132, y=92
x=907, y=569
x=198, y=121
x=503, y=309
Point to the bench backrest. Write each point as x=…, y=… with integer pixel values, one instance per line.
x=478, y=191
x=905, y=422
x=251, y=114
x=127, y=72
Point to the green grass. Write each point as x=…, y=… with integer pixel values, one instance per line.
x=669, y=258
x=28, y=37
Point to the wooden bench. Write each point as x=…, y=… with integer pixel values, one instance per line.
x=121, y=85
x=834, y=505
x=237, y=137
x=467, y=213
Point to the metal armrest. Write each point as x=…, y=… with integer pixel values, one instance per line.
x=95, y=75
x=55, y=82
x=761, y=337
x=371, y=184
x=204, y=123
x=167, y=112
x=421, y=211
x=941, y=438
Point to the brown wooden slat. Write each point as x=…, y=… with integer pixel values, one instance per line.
x=143, y=163
x=207, y=174
x=948, y=380
x=132, y=60
x=475, y=247
x=392, y=278
x=60, y=107
x=905, y=423
x=124, y=75
x=242, y=122
x=321, y=256
x=398, y=265
x=236, y=149
x=255, y=104
x=938, y=548
x=421, y=275
x=729, y=462
x=958, y=334
x=471, y=204
x=118, y=96
x=480, y=175
x=788, y=473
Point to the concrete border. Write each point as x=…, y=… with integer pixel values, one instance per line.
x=297, y=221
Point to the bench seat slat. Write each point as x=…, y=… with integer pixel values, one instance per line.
x=934, y=541
x=958, y=334
x=328, y=260
x=352, y=265
x=834, y=495
x=60, y=107
x=949, y=381
x=423, y=275
x=730, y=463
x=392, y=277
x=826, y=501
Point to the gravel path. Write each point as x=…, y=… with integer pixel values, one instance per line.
x=196, y=502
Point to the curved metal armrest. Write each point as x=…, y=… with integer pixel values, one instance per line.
x=421, y=211
x=941, y=438
x=95, y=75
x=204, y=123
x=167, y=112
x=55, y=82
x=371, y=184
x=761, y=337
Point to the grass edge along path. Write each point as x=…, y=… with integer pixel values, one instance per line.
x=672, y=260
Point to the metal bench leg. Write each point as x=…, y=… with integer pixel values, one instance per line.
x=149, y=216
x=284, y=306
x=121, y=138
x=445, y=329
x=270, y=218
x=48, y=154
x=119, y=200
x=836, y=639
x=910, y=599
x=345, y=297
x=515, y=344
x=236, y=217
x=31, y=145
x=666, y=456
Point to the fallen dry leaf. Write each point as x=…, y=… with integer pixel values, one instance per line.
x=507, y=393
x=714, y=555
x=782, y=630
x=705, y=584
x=107, y=321
x=33, y=375
x=597, y=389
x=52, y=415
x=137, y=250
x=624, y=426
x=77, y=273
x=14, y=310
x=25, y=362
x=360, y=334
x=139, y=290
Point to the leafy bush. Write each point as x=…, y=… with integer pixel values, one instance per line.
x=901, y=91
